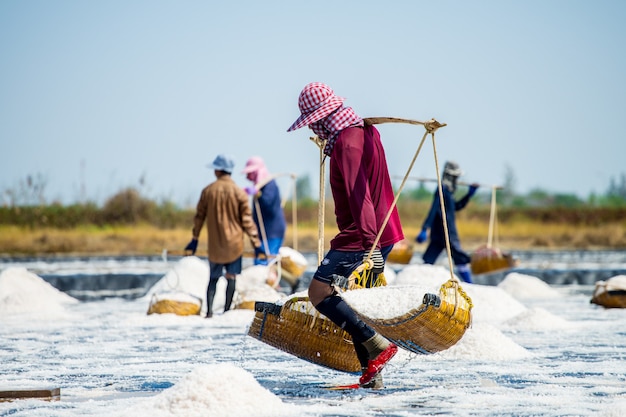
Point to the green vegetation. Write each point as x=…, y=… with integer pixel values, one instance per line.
x=130, y=223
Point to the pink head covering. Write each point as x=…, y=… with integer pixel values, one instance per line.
x=316, y=101
x=256, y=164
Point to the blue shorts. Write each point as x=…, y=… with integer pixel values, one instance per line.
x=217, y=270
x=337, y=262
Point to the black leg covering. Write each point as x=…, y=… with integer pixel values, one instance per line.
x=230, y=292
x=362, y=354
x=340, y=313
x=210, y=294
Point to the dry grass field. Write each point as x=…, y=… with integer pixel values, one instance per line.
x=144, y=230
x=150, y=240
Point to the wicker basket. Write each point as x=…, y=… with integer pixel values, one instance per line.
x=608, y=297
x=245, y=304
x=485, y=260
x=401, y=253
x=439, y=323
x=167, y=303
x=297, y=328
x=291, y=271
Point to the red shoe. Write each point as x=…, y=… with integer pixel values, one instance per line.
x=374, y=366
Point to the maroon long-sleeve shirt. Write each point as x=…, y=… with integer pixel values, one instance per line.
x=362, y=191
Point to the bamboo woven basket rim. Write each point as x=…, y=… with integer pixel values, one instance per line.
x=437, y=324
x=297, y=328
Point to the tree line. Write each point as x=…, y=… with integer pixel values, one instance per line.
x=25, y=205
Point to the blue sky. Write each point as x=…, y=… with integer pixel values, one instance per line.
x=95, y=96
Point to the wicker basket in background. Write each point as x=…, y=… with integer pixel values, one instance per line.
x=173, y=303
x=485, y=260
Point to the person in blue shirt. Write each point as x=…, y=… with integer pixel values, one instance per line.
x=434, y=222
x=267, y=210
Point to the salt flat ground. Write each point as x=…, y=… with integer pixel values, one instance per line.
x=533, y=349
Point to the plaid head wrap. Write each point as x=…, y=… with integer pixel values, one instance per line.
x=316, y=101
x=334, y=123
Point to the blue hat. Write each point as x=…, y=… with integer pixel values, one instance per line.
x=223, y=163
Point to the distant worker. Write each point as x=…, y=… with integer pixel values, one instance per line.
x=225, y=208
x=434, y=222
x=267, y=210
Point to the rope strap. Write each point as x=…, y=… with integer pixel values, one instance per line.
x=431, y=127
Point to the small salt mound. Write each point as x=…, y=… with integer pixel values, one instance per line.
x=537, y=319
x=213, y=390
x=190, y=274
x=22, y=291
x=485, y=342
x=422, y=275
x=492, y=304
x=253, y=277
x=526, y=286
x=616, y=283
x=252, y=285
x=388, y=302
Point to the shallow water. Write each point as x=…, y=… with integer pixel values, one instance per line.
x=98, y=277
x=537, y=355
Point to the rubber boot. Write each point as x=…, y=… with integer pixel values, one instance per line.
x=375, y=383
x=363, y=355
x=380, y=353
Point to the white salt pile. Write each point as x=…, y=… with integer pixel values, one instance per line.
x=538, y=319
x=430, y=275
x=22, y=291
x=387, y=302
x=213, y=390
x=523, y=286
x=190, y=275
x=252, y=284
x=492, y=304
x=485, y=342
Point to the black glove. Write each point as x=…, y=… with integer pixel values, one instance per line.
x=377, y=260
x=191, y=247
